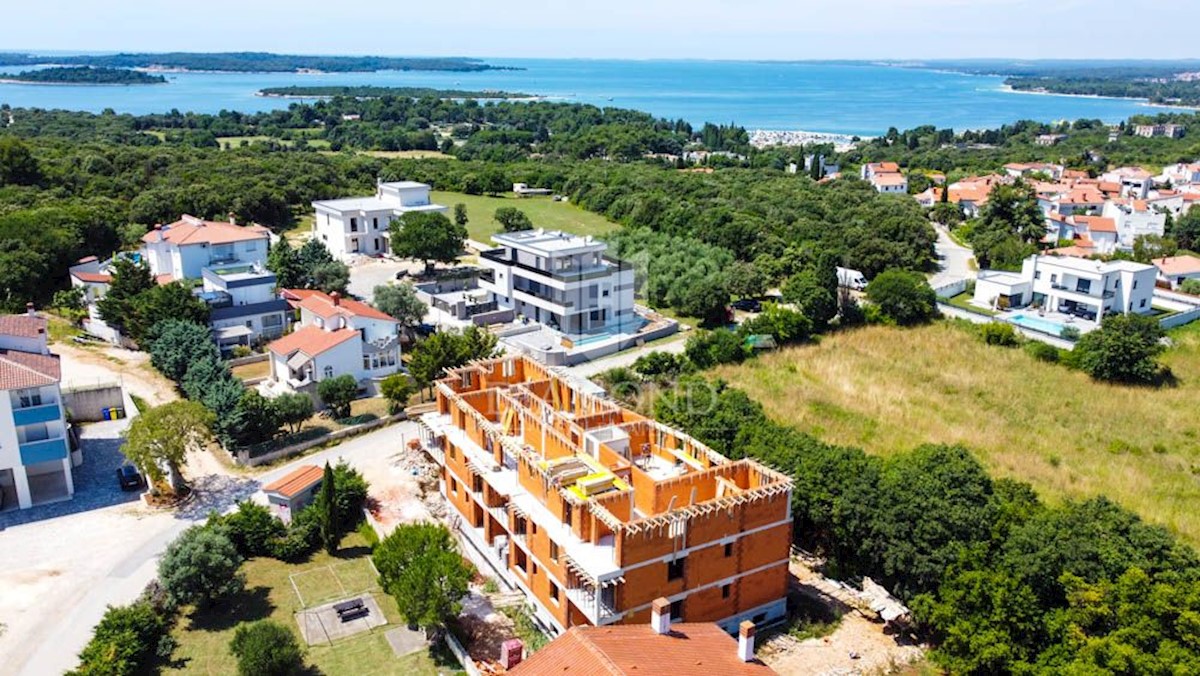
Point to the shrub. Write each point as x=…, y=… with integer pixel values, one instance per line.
x=659, y=363
x=126, y=641
x=1123, y=349
x=301, y=539
x=350, y=495
x=706, y=349
x=999, y=333
x=338, y=393
x=419, y=565
x=903, y=297
x=397, y=389
x=240, y=351
x=252, y=528
x=266, y=648
x=1041, y=351
x=784, y=324
x=1191, y=286
x=292, y=409
x=1070, y=333
x=200, y=566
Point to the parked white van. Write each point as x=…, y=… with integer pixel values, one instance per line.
x=852, y=279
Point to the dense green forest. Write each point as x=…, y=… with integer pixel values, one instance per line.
x=252, y=62
x=998, y=580
x=375, y=92
x=86, y=75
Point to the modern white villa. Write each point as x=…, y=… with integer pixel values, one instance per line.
x=359, y=225
x=243, y=306
x=1072, y=286
x=35, y=456
x=563, y=281
x=333, y=337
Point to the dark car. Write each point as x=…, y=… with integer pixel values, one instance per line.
x=129, y=478
x=747, y=305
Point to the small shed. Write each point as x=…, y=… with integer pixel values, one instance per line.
x=294, y=491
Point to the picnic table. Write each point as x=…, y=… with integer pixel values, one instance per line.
x=351, y=609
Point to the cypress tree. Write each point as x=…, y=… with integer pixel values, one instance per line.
x=327, y=508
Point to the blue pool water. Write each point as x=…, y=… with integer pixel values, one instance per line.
x=1037, y=324
x=863, y=99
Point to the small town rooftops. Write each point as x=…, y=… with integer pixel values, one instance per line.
x=1178, y=265
x=19, y=370
x=1097, y=223
x=889, y=179
x=312, y=341
x=688, y=649
x=192, y=230
x=22, y=326
x=295, y=482
x=92, y=277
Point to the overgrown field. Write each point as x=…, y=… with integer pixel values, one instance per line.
x=886, y=390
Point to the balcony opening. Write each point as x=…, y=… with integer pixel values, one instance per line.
x=728, y=549
x=725, y=590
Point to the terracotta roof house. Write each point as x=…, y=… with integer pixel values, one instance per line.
x=35, y=459
x=1175, y=270
x=334, y=336
x=183, y=249
x=294, y=491
x=684, y=649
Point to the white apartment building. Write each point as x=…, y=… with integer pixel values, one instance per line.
x=1071, y=285
x=243, y=306
x=359, y=225
x=563, y=281
x=334, y=337
x=1134, y=218
x=35, y=456
x=181, y=250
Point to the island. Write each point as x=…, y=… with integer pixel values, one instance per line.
x=84, y=75
x=375, y=92
x=245, y=62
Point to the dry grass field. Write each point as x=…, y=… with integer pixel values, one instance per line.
x=887, y=390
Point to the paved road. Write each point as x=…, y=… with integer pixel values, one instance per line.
x=956, y=261
x=58, y=575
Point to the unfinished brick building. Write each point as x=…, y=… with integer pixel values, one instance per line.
x=594, y=511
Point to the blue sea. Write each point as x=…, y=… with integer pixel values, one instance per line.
x=846, y=99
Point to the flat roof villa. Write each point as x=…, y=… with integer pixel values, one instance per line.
x=574, y=301
x=595, y=511
x=351, y=226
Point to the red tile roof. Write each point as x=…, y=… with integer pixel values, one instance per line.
x=1178, y=265
x=1097, y=223
x=325, y=306
x=22, y=326
x=19, y=370
x=690, y=649
x=164, y=279
x=92, y=277
x=192, y=230
x=312, y=340
x=296, y=482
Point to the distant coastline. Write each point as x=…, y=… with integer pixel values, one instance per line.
x=83, y=75
x=377, y=91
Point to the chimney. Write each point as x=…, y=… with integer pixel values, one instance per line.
x=660, y=616
x=512, y=652
x=746, y=641
x=30, y=310
x=336, y=298
x=158, y=232
x=232, y=218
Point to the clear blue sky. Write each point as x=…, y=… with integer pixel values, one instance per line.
x=716, y=29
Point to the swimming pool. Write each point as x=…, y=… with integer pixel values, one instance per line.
x=1037, y=324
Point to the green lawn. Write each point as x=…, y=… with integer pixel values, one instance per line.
x=544, y=212
x=888, y=390
x=963, y=302
x=204, y=635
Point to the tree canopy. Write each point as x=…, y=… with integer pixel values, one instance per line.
x=427, y=236
x=419, y=565
x=160, y=438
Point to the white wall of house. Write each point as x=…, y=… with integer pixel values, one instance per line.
x=1120, y=286
x=1132, y=224
x=13, y=436
x=187, y=261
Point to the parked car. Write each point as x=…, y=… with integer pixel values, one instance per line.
x=747, y=305
x=129, y=478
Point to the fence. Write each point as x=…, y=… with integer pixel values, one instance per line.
x=243, y=456
x=460, y=653
x=1180, y=318
x=252, y=359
